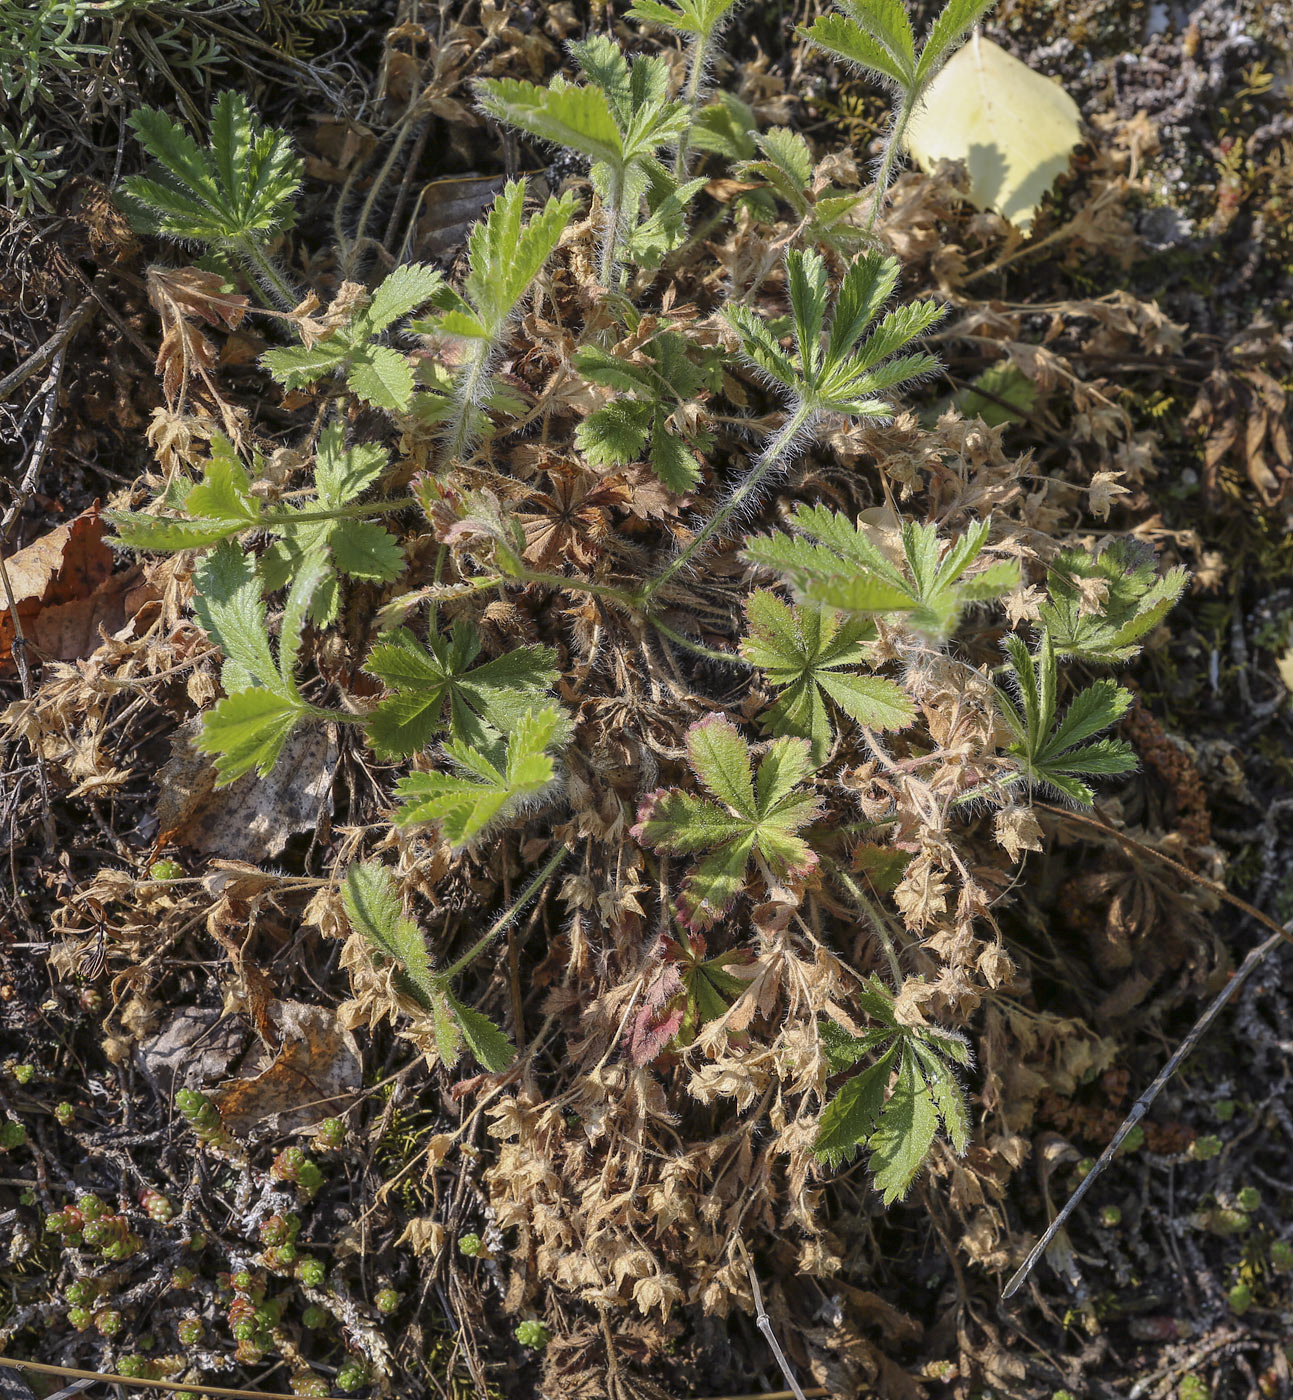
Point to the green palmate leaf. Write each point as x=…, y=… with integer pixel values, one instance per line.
x=406, y=289
x=803, y=651
x=373, y=906
x=435, y=686
x=247, y=730
x=850, y=374
x=490, y=784
x=695, y=17
x=243, y=186
x=785, y=166
x=842, y=38
x=1057, y=756
x=1129, y=599
x=642, y=419
x=755, y=813
x=833, y=561
x=378, y=374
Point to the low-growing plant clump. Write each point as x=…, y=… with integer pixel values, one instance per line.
x=692, y=709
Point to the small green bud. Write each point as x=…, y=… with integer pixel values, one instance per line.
x=81, y=1292
x=196, y=1242
x=64, y=1114
x=1111, y=1216
x=182, y=1277
x=12, y=1135
x=157, y=1206
x=1063, y=1395
x=166, y=870
x=1240, y=1298
x=191, y=1331
x=242, y=1281
x=1248, y=1198
x=24, y=1074
x=80, y=1318
x=311, y=1271
x=1224, y=1109
x=244, y=1331
x=532, y=1333
x=274, y=1231
x=138, y=1366
x=331, y=1133
x=470, y=1245
x=91, y=1207
x=387, y=1301
x=108, y=1322
x=1281, y=1255
x=351, y=1375
x=1193, y=1388
x=315, y=1316
x=307, y=1383
x=1134, y=1140
x=248, y=1353
x=1204, y=1148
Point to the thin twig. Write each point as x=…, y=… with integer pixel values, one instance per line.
x=197, y=1389
x=1281, y=934
x=764, y=1323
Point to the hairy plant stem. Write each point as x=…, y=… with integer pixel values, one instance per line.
x=576, y=585
x=263, y=267
x=893, y=143
x=878, y=922
x=352, y=512
x=607, y=271
x=473, y=380
x=772, y=457
x=695, y=74
x=501, y=923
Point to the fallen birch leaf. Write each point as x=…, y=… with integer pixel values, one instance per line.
x=1014, y=129
x=65, y=591
x=312, y=1076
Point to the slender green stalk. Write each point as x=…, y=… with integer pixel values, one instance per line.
x=263, y=267
x=892, y=145
x=772, y=457
x=358, y=511
x=469, y=389
x=502, y=922
x=729, y=658
x=578, y=585
x=878, y=922
x=607, y=270
x=695, y=75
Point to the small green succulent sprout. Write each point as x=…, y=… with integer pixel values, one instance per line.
x=24, y=1074
x=352, y=1375
x=108, y=1321
x=136, y=1366
x=1111, y=1217
x=293, y=1165
x=1281, y=1256
x=314, y=1317
x=1193, y=1387
x=166, y=870
x=471, y=1245
x=1134, y=1140
x=1204, y=1148
x=1085, y=1167
x=1240, y=1298
x=80, y=1318
x=330, y=1134
x=64, y=1114
x=1248, y=1198
x=308, y=1383
x=388, y=1300
x=532, y=1333
x=158, y=1207
x=1224, y=1110
x=12, y=1135
x=311, y=1271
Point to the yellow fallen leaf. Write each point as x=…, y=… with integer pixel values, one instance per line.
x=1013, y=128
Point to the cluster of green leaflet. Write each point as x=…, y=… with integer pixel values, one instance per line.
x=485, y=736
